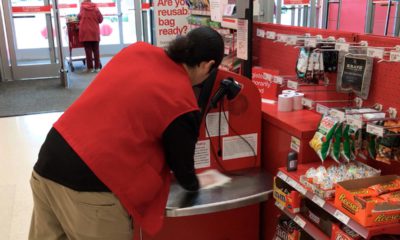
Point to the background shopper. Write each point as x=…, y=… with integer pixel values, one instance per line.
x=109, y=156
x=89, y=33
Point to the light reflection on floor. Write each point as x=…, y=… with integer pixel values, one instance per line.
x=20, y=141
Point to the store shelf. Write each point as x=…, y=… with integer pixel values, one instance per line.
x=306, y=225
x=229, y=22
x=292, y=178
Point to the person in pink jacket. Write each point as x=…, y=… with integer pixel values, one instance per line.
x=89, y=33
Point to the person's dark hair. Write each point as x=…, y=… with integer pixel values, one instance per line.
x=200, y=44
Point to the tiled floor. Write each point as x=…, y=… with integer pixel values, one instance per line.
x=20, y=141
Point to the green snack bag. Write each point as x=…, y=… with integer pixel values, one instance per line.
x=321, y=142
x=337, y=142
x=345, y=144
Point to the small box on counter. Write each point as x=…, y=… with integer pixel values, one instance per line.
x=344, y=233
x=286, y=196
x=370, y=201
x=318, y=216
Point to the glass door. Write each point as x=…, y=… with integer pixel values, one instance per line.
x=30, y=40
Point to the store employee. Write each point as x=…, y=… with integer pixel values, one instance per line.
x=108, y=158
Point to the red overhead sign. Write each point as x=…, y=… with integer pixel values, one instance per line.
x=32, y=9
x=296, y=2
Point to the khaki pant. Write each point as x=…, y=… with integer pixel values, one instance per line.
x=62, y=213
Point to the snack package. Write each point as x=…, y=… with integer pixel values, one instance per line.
x=345, y=144
x=388, y=149
x=337, y=143
x=383, y=188
x=392, y=197
x=321, y=142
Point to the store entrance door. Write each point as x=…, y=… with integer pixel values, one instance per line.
x=28, y=45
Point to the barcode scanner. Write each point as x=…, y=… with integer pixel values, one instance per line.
x=229, y=88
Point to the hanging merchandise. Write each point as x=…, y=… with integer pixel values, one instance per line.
x=321, y=142
x=345, y=152
x=302, y=62
x=388, y=147
x=355, y=73
x=337, y=143
x=330, y=61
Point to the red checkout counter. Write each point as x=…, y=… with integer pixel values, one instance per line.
x=232, y=211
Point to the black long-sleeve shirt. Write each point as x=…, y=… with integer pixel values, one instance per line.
x=58, y=162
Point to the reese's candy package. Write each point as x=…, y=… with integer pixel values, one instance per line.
x=392, y=197
x=364, y=192
x=321, y=142
x=383, y=188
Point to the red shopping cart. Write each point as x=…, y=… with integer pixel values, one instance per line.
x=73, y=42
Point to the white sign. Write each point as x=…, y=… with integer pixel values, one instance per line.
x=319, y=201
x=280, y=206
x=242, y=39
x=216, y=10
x=217, y=124
x=307, y=102
x=295, y=144
x=301, y=189
x=278, y=80
x=282, y=176
x=375, y=130
x=354, y=122
x=202, y=154
x=341, y=217
x=338, y=114
x=291, y=182
x=293, y=85
x=375, y=52
x=281, y=37
x=271, y=35
x=342, y=47
x=299, y=221
x=291, y=40
x=322, y=109
x=260, y=32
x=395, y=56
x=170, y=19
x=239, y=146
x=310, y=42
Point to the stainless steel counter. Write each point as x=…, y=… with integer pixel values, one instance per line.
x=245, y=188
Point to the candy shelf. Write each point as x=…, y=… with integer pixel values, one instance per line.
x=306, y=225
x=292, y=178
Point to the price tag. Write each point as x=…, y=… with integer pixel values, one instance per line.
x=319, y=201
x=267, y=76
x=280, y=206
x=354, y=122
x=375, y=52
x=260, y=33
x=282, y=176
x=291, y=40
x=322, y=109
x=342, y=47
x=299, y=221
x=395, y=56
x=307, y=102
x=281, y=37
x=291, y=182
x=278, y=80
x=341, y=217
x=270, y=35
x=301, y=189
x=338, y=114
x=311, y=42
x=293, y=85
x=376, y=130
x=295, y=144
